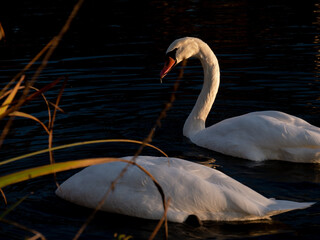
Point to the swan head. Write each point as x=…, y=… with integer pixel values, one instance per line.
x=179, y=50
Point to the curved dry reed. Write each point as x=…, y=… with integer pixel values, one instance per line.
x=78, y=144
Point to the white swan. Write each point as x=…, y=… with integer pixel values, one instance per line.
x=194, y=189
x=266, y=135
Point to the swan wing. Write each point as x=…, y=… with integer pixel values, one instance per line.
x=193, y=189
x=263, y=135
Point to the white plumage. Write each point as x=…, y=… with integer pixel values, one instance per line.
x=194, y=189
x=266, y=135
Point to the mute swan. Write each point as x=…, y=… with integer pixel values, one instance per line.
x=194, y=189
x=266, y=135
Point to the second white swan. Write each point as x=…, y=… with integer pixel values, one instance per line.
x=194, y=190
x=266, y=135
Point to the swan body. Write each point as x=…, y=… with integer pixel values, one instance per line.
x=193, y=189
x=265, y=135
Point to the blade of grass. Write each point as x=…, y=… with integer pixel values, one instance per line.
x=43, y=90
x=4, y=197
x=26, y=115
x=57, y=103
x=51, y=128
x=8, y=124
x=10, y=111
x=47, y=104
x=59, y=167
x=33, y=96
x=57, y=107
x=75, y=145
x=49, y=169
x=43, y=96
x=9, y=91
x=11, y=96
x=162, y=220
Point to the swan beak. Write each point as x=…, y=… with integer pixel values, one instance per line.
x=168, y=65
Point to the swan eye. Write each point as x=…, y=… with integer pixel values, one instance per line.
x=172, y=54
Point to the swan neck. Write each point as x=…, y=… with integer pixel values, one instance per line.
x=197, y=118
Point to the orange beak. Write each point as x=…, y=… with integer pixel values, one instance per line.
x=168, y=65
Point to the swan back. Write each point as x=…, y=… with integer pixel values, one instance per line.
x=263, y=135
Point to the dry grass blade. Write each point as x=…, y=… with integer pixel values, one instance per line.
x=47, y=104
x=26, y=115
x=78, y=144
x=12, y=111
x=8, y=92
x=57, y=107
x=51, y=128
x=4, y=197
x=33, y=96
x=10, y=98
x=43, y=90
x=57, y=102
x=36, y=89
x=5, y=112
x=162, y=220
x=37, y=235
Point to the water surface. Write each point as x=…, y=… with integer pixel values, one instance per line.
x=269, y=60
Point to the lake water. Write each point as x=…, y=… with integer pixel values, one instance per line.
x=113, y=53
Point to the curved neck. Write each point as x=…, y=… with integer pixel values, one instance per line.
x=197, y=118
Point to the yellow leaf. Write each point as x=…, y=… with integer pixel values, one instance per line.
x=51, y=168
x=64, y=166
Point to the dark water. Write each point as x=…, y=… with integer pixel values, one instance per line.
x=269, y=57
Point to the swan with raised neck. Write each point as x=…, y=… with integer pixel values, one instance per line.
x=264, y=135
x=188, y=47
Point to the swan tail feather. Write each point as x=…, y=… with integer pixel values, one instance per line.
x=282, y=206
